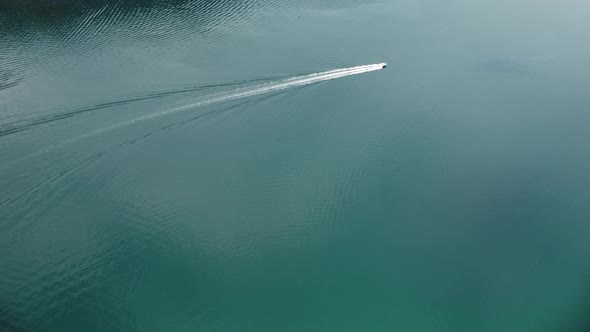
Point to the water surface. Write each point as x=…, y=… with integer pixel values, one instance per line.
x=446, y=193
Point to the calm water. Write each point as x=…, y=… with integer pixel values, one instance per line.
x=448, y=192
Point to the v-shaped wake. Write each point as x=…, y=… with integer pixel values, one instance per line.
x=260, y=89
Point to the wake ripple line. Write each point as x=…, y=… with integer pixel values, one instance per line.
x=244, y=93
x=297, y=81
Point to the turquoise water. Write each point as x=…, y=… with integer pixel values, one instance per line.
x=448, y=192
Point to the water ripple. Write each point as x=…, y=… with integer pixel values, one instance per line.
x=9, y=128
x=88, y=232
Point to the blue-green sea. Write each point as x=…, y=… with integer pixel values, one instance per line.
x=224, y=165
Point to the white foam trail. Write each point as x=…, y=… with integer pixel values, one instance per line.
x=248, y=92
x=296, y=81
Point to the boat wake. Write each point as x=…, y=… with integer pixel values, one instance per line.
x=239, y=93
x=256, y=90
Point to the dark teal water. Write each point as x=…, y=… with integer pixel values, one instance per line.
x=448, y=192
